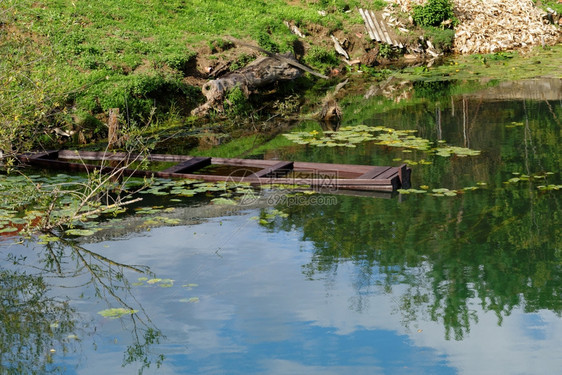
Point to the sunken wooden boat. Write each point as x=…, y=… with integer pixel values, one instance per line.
x=325, y=176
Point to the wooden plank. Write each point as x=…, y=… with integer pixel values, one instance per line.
x=189, y=165
x=404, y=175
x=298, y=166
x=385, y=32
x=379, y=32
x=374, y=172
x=93, y=155
x=47, y=155
x=327, y=167
x=402, y=172
x=372, y=26
x=110, y=155
x=279, y=169
x=392, y=175
x=323, y=181
x=367, y=26
x=388, y=174
x=245, y=162
x=377, y=28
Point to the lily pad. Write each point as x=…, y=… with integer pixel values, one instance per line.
x=8, y=230
x=190, y=300
x=549, y=187
x=46, y=238
x=82, y=232
x=349, y=136
x=224, y=201
x=116, y=312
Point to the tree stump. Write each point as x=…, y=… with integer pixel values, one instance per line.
x=113, y=131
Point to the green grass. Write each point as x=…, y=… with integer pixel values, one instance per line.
x=65, y=60
x=552, y=4
x=64, y=63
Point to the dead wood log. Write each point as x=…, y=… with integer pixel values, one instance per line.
x=262, y=72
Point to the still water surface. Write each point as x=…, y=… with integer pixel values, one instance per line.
x=407, y=284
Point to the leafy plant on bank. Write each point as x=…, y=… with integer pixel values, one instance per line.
x=321, y=58
x=387, y=51
x=236, y=103
x=442, y=39
x=434, y=13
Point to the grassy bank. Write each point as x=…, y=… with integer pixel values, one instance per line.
x=64, y=63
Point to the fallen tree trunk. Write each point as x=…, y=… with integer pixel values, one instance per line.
x=262, y=72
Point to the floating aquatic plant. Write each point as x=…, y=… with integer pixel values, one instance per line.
x=81, y=232
x=190, y=300
x=267, y=217
x=437, y=192
x=350, y=136
x=158, y=220
x=116, y=312
x=549, y=187
x=525, y=177
x=224, y=202
x=411, y=191
x=440, y=192
x=30, y=202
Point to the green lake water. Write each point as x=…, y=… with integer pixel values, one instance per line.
x=464, y=279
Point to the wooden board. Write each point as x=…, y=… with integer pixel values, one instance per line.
x=377, y=28
x=277, y=170
x=374, y=172
x=190, y=165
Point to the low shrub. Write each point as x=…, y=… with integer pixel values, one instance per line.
x=236, y=103
x=180, y=60
x=434, y=13
x=442, y=39
x=265, y=42
x=321, y=58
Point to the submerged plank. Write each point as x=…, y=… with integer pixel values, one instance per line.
x=277, y=170
x=190, y=165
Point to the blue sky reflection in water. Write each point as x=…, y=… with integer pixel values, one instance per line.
x=468, y=284
x=258, y=313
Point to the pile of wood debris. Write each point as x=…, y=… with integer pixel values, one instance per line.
x=496, y=25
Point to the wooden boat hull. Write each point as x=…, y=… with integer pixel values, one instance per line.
x=325, y=176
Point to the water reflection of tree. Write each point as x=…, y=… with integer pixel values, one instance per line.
x=500, y=247
x=34, y=322
x=500, y=250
